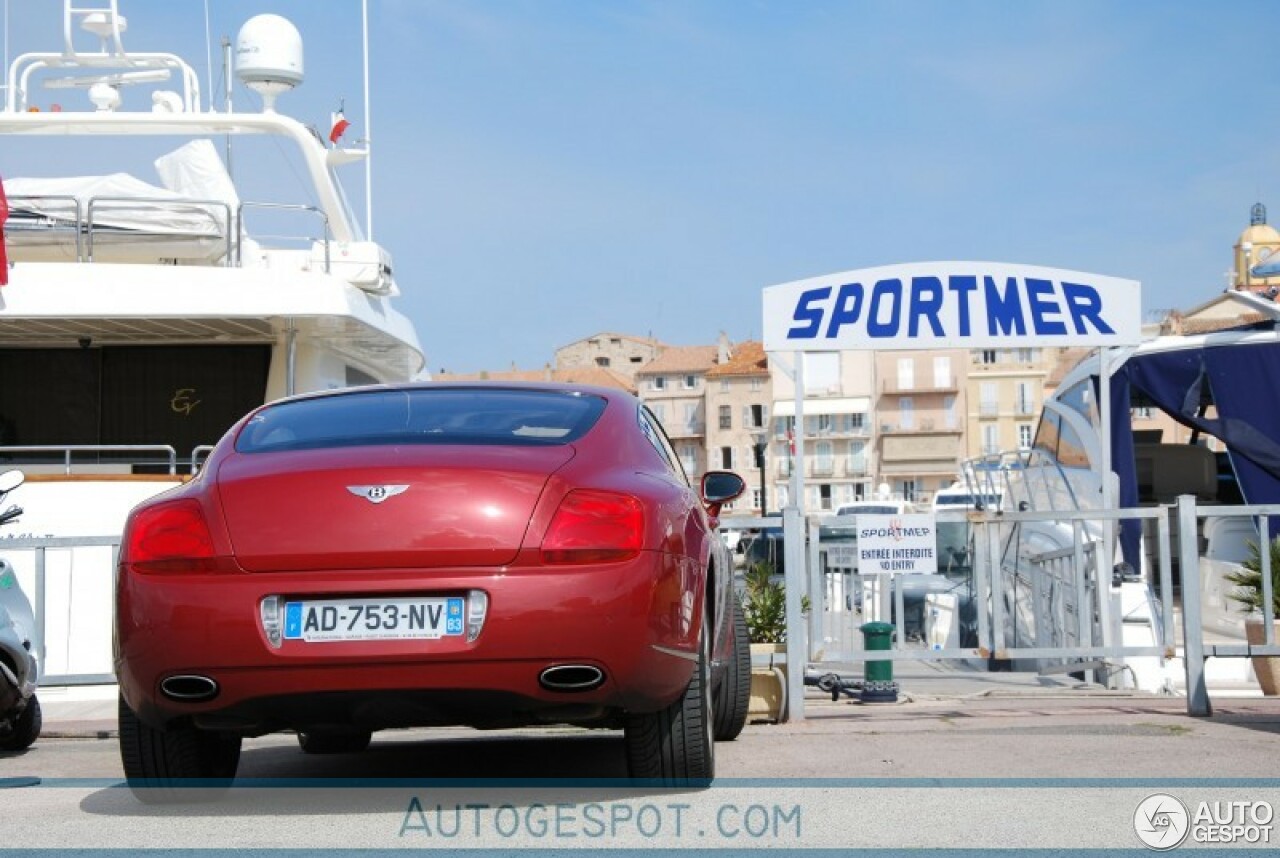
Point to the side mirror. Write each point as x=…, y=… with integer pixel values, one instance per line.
x=10, y=480
x=718, y=488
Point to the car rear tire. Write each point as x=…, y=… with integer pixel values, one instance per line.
x=674, y=747
x=176, y=764
x=25, y=729
x=733, y=695
x=334, y=741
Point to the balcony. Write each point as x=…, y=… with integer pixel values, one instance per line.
x=989, y=409
x=920, y=427
x=686, y=430
x=1025, y=409
x=914, y=387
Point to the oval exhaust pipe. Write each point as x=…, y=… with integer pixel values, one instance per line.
x=189, y=688
x=571, y=677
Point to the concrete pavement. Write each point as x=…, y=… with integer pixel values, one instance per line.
x=90, y=711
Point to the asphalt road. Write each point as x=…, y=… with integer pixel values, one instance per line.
x=1059, y=770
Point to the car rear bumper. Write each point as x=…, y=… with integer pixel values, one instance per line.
x=635, y=621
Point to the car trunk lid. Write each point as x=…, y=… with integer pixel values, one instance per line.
x=383, y=507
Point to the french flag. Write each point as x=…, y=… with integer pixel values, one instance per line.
x=340, y=125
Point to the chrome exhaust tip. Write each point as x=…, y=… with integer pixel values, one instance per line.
x=571, y=677
x=189, y=688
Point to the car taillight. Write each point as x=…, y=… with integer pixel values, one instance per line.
x=594, y=527
x=171, y=537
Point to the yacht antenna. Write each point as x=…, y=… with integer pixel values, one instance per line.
x=368, y=129
x=226, y=77
x=208, y=54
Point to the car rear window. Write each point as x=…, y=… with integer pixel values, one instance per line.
x=423, y=416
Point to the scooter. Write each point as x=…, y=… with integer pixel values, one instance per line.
x=20, y=719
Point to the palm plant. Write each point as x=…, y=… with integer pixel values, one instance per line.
x=765, y=605
x=1248, y=580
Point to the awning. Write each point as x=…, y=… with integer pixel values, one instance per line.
x=847, y=405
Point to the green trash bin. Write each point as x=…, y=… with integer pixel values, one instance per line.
x=878, y=685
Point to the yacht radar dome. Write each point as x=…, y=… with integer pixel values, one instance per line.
x=269, y=57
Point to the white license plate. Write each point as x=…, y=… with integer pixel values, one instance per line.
x=373, y=619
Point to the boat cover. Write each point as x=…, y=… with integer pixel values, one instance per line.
x=1242, y=380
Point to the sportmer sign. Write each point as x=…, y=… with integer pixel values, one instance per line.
x=951, y=305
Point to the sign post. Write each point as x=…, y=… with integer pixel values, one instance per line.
x=968, y=305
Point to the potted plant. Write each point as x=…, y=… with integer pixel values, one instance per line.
x=765, y=607
x=1249, y=595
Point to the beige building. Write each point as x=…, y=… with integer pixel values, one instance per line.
x=738, y=401
x=920, y=408
x=674, y=385
x=581, y=375
x=1005, y=388
x=620, y=353
x=838, y=429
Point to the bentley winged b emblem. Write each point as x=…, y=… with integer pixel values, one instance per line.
x=376, y=494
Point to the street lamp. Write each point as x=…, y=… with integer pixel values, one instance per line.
x=760, y=442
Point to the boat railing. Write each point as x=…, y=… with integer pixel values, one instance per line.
x=82, y=222
x=198, y=455
x=223, y=228
x=167, y=456
x=49, y=223
x=281, y=207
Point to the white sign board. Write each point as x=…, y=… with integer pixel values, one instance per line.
x=897, y=544
x=952, y=305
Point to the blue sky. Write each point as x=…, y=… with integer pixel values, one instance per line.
x=549, y=169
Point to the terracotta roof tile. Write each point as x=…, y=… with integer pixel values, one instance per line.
x=599, y=376
x=681, y=359
x=748, y=358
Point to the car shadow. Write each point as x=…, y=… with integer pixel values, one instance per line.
x=520, y=770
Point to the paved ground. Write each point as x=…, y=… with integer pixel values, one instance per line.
x=983, y=761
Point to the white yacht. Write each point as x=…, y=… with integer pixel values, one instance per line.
x=1216, y=386
x=151, y=299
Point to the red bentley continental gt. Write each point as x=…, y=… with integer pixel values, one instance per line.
x=431, y=554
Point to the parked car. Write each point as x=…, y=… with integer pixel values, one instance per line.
x=431, y=554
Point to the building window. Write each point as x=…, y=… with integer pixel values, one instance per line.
x=1025, y=403
x=757, y=385
x=724, y=385
x=822, y=464
x=691, y=416
x=988, y=404
x=988, y=356
x=908, y=490
x=906, y=373
x=949, y=411
x=726, y=417
x=690, y=382
x=754, y=416
x=942, y=372
x=660, y=412
x=990, y=439
x=726, y=458
x=857, y=458
x=689, y=458
x=1143, y=413
x=602, y=361
x=906, y=411
x=755, y=499
x=1024, y=436
x=658, y=382
x=824, y=496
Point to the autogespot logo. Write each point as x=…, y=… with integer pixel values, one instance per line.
x=1161, y=821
